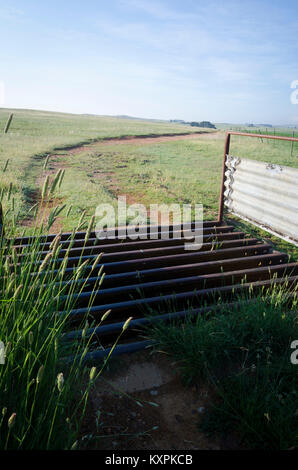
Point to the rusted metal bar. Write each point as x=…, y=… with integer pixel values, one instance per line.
x=150, y=278
x=170, y=260
x=116, y=327
x=167, y=286
x=211, y=234
x=140, y=251
x=172, y=272
x=81, y=235
x=98, y=355
x=158, y=253
x=79, y=246
x=263, y=136
x=188, y=298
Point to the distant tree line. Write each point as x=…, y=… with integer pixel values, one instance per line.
x=195, y=123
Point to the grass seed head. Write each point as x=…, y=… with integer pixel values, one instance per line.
x=2, y=353
x=45, y=188
x=46, y=162
x=17, y=291
x=45, y=261
x=31, y=337
x=126, y=324
x=88, y=232
x=60, y=381
x=97, y=259
x=55, y=181
x=92, y=373
x=11, y=421
x=40, y=374
x=105, y=315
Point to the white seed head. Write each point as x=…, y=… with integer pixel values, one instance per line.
x=2, y=353
x=126, y=324
x=105, y=315
x=60, y=381
x=11, y=421
x=92, y=373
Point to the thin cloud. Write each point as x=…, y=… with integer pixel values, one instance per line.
x=11, y=14
x=158, y=10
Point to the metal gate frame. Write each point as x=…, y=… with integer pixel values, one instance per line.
x=225, y=157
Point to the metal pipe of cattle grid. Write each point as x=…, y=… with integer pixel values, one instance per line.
x=131, y=245
x=97, y=355
x=140, y=262
x=116, y=328
x=81, y=235
x=113, y=298
x=110, y=245
x=168, y=286
x=113, y=328
x=212, y=234
x=150, y=304
x=138, y=252
x=171, y=272
x=246, y=249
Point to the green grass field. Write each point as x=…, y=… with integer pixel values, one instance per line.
x=179, y=171
x=34, y=134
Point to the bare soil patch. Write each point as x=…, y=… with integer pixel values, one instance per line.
x=168, y=418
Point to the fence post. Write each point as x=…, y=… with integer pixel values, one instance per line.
x=292, y=146
x=221, y=199
x=7, y=126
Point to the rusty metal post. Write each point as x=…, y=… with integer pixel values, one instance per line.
x=222, y=190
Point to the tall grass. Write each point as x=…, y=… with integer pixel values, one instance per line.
x=42, y=396
x=244, y=355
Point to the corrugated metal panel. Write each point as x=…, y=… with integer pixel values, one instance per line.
x=264, y=194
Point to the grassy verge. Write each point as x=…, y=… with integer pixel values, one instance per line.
x=254, y=231
x=35, y=134
x=43, y=396
x=244, y=355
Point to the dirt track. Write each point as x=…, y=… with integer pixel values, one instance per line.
x=57, y=160
x=153, y=139
x=138, y=140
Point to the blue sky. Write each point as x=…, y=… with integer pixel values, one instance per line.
x=224, y=61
